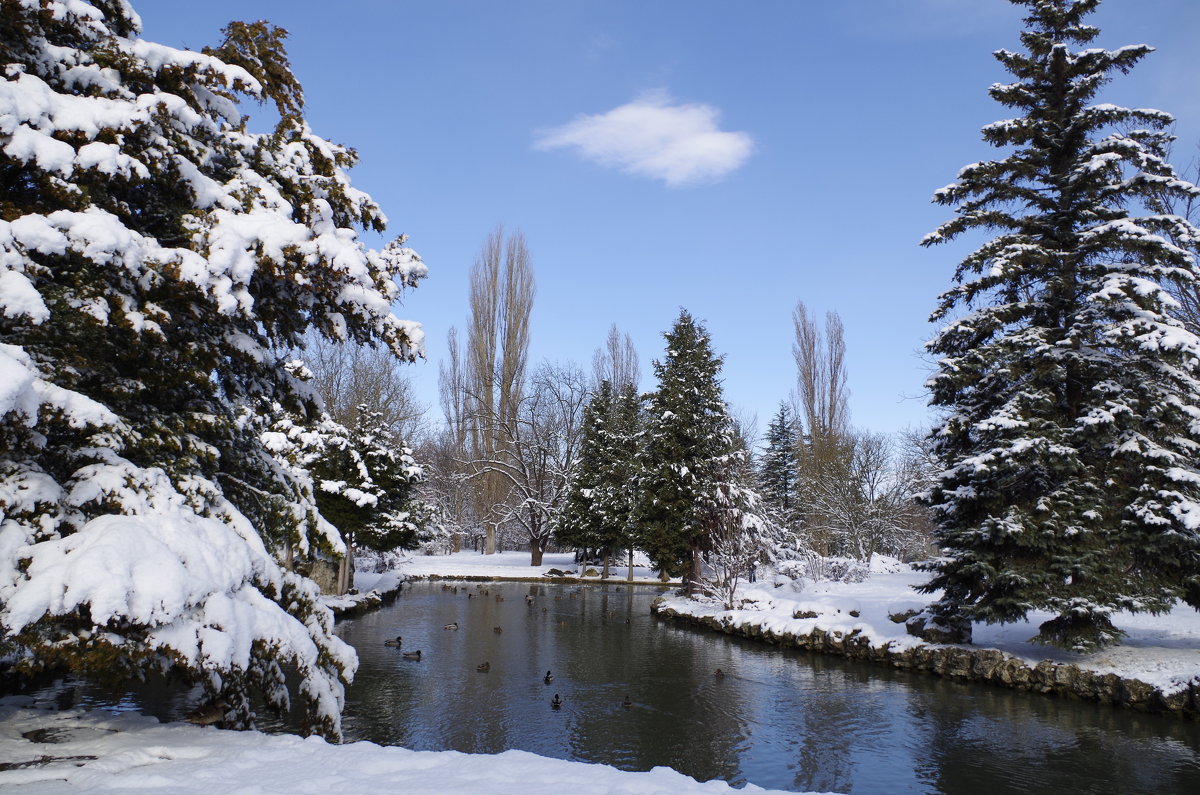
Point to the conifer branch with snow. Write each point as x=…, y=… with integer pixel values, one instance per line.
x=1070, y=395
x=156, y=256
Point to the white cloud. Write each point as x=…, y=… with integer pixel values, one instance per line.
x=679, y=144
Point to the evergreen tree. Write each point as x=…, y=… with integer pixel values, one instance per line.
x=157, y=256
x=743, y=536
x=618, y=498
x=580, y=523
x=1069, y=393
x=366, y=484
x=686, y=446
x=779, y=467
x=597, y=511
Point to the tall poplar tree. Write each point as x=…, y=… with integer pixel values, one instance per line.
x=1069, y=393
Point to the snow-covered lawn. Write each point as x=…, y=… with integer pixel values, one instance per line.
x=96, y=752
x=1162, y=651
x=516, y=564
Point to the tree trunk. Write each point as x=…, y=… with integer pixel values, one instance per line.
x=535, y=552
x=345, y=578
x=629, y=576
x=694, y=572
x=456, y=544
x=489, y=546
x=288, y=556
x=607, y=555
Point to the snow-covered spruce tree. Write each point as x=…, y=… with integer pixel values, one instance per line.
x=579, y=523
x=156, y=254
x=366, y=483
x=618, y=498
x=687, y=444
x=779, y=466
x=1071, y=405
x=597, y=510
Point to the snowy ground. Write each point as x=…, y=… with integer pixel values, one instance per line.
x=1162, y=651
x=516, y=564
x=47, y=751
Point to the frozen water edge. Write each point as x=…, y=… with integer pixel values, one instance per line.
x=98, y=752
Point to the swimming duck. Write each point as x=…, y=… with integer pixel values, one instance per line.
x=412, y=655
x=719, y=674
x=452, y=625
x=394, y=642
x=499, y=598
x=208, y=714
x=529, y=598
x=626, y=703
x=484, y=667
x=497, y=630
x=548, y=678
x=556, y=702
x=470, y=595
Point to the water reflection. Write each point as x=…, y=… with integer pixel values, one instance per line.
x=779, y=718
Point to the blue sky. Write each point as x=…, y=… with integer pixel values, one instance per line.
x=728, y=158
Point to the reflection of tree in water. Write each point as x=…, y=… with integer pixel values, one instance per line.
x=829, y=723
x=987, y=739
x=694, y=727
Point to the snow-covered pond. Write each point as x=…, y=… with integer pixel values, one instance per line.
x=777, y=718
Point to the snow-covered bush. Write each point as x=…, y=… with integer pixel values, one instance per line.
x=155, y=257
x=825, y=569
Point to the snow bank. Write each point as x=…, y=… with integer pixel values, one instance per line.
x=1162, y=651
x=126, y=753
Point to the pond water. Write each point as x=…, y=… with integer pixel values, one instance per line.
x=778, y=718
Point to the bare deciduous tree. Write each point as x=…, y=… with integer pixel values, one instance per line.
x=821, y=376
x=349, y=376
x=823, y=411
x=862, y=502
x=536, y=452
x=493, y=373
x=617, y=362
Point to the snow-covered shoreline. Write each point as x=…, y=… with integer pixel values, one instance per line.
x=52, y=751
x=47, y=750
x=1156, y=667
x=372, y=592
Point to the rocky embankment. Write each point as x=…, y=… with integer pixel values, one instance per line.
x=385, y=591
x=990, y=666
